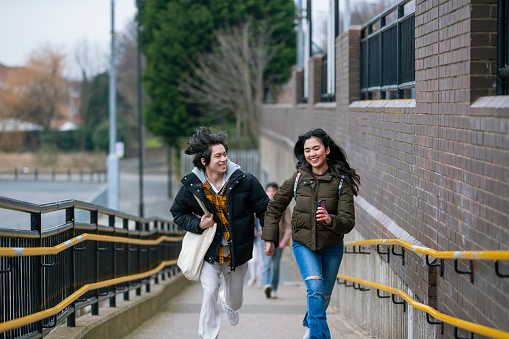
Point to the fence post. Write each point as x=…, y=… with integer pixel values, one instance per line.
x=149, y=250
x=138, y=228
x=400, y=12
x=53, y=174
x=15, y=173
x=36, y=225
x=36, y=173
x=69, y=174
x=128, y=256
x=171, y=227
x=69, y=217
x=113, y=300
x=94, y=221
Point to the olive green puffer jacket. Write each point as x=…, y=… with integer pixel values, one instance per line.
x=305, y=228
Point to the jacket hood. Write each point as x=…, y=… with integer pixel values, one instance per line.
x=230, y=168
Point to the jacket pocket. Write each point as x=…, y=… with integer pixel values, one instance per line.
x=295, y=223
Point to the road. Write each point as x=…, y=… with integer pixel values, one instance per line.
x=155, y=196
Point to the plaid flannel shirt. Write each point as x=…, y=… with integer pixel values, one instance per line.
x=218, y=202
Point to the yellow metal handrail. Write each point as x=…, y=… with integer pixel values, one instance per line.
x=33, y=251
x=29, y=319
x=470, y=255
x=476, y=328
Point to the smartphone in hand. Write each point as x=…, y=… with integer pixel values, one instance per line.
x=321, y=203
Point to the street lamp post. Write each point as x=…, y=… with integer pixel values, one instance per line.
x=140, y=126
x=113, y=165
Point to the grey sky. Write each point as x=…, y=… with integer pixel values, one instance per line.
x=25, y=25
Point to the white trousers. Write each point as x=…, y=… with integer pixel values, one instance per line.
x=256, y=263
x=210, y=318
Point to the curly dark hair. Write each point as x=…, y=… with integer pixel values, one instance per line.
x=336, y=159
x=201, y=142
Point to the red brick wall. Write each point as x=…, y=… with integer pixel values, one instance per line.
x=436, y=168
x=315, y=79
x=455, y=61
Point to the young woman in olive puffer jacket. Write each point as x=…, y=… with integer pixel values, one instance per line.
x=323, y=175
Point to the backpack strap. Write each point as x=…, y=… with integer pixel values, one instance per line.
x=295, y=185
x=297, y=181
x=340, y=185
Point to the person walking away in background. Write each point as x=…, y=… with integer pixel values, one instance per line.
x=271, y=264
x=256, y=263
x=323, y=187
x=233, y=197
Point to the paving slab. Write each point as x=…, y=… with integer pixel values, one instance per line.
x=260, y=317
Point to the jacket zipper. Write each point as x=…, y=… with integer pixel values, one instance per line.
x=228, y=194
x=316, y=206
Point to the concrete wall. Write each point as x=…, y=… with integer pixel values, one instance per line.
x=434, y=170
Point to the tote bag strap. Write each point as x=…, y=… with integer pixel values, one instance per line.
x=202, y=205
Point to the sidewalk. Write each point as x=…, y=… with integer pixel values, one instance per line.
x=259, y=317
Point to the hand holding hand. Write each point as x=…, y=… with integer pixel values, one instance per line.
x=322, y=215
x=269, y=248
x=206, y=221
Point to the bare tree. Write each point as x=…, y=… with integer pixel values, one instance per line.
x=231, y=78
x=91, y=61
x=40, y=87
x=127, y=77
x=127, y=80
x=362, y=11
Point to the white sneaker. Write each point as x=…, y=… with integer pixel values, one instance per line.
x=306, y=336
x=267, y=289
x=231, y=315
x=273, y=294
x=251, y=282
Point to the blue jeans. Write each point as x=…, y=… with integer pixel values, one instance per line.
x=325, y=264
x=271, y=267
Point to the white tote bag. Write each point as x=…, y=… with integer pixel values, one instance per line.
x=194, y=247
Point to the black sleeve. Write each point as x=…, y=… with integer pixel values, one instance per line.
x=182, y=212
x=258, y=199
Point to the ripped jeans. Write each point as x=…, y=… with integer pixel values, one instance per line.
x=323, y=263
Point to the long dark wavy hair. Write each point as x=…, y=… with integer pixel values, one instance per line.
x=336, y=159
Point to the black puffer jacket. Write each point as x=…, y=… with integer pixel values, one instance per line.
x=244, y=198
x=305, y=229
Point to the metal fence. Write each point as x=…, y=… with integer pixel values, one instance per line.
x=249, y=161
x=53, y=174
x=503, y=48
x=388, y=54
x=326, y=96
x=35, y=281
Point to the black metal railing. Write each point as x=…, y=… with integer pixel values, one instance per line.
x=326, y=96
x=302, y=88
x=324, y=78
x=503, y=48
x=32, y=283
x=388, y=54
x=53, y=174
